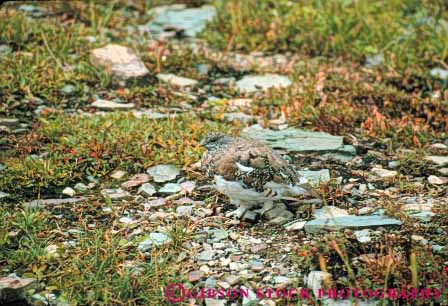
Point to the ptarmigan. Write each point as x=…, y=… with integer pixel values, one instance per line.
x=250, y=173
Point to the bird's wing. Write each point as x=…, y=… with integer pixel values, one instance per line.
x=240, y=195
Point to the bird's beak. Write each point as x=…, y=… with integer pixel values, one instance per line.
x=202, y=143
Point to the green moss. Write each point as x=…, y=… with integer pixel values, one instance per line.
x=410, y=34
x=70, y=148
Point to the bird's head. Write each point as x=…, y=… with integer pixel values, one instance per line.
x=214, y=140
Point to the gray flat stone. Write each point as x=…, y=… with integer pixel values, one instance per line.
x=217, y=234
x=437, y=180
x=343, y=155
x=81, y=187
x=278, y=215
x=363, y=236
x=349, y=222
x=195, y=276
x=438, y=160
x=5, y=49
x=253, y=83
x=295, y=225
x=249, y=216
x=170, y=188
x=4, y=195
x=331, y=302
x=329, y=212
x=205, y=256
x=384, y=173
x=155, y=203
x=316, y=279
x=69, y=191
x=251, y=298
x=295, y=140
x=214, y=302
x=232, y=279
x=240, y=117
x=53, y=202
x=155, y=239
x=443, y=171
x=115, y=194
x=163, y=173
x=68, y=89
x=316, y=177
x=439, y=73
x=423, y=216
x=10, y=122
x=135, y=180
x=374, y=60
x=175, y=80
x=120, y=61
x=111, y=105
x=118, y=174
x=188, y=186
x=147, y=190
x=152, y=114
x=282, y=280
x=184, y=211
x=187, y=21
x=256, y=265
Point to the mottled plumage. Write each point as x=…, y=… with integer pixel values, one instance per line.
x=249, y=162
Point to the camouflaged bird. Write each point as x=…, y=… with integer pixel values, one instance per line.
x=248, y=171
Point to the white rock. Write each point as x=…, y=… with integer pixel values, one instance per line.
x=170, y=188
x=52, y=250
x=294, y=225
x=176, y=80
x=331, y=302
x=240, y=102
x=120, y=61
x=3, y=195
x=440, y=146
x=111, y=105
x=188, y=186
x=225, y=261
x=240, y=117
x=316, y=177
x=251, y=297
x=443, y=171
x=81, y=187
x=205, y=269
x=214, y=302
x=363, y=236
x=177, y=18
x=437, y=180
x=329, y=212
x=316, y=280
x=69, y=191
x=252, y=83
x=126, y=220
x=115, y=194
x=163, y=173
x=384, y=173
x=278, y=124
x=118, y=174
x=438, y=160
x=439, y=73
x=184, y=211
x=147, y=190
x=155, y=239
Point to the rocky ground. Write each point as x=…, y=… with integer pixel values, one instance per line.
x=102, y=197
